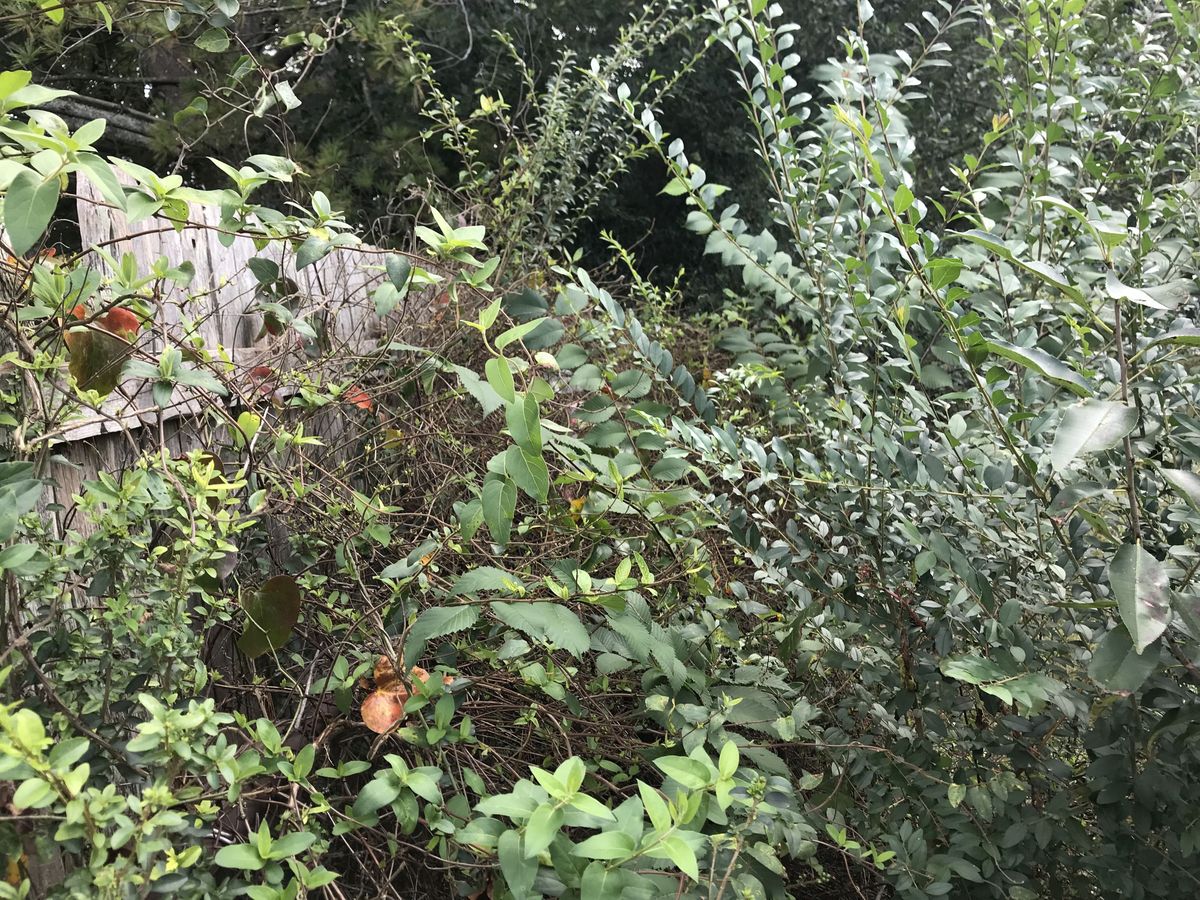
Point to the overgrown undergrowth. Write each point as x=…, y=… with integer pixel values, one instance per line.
x=887, y=589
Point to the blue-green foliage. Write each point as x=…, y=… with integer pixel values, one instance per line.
x=895, y=588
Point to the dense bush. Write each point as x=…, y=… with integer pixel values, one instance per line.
x=886, y=590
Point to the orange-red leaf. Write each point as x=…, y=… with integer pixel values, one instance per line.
x=384, y=710
x=358, y=397
x=385, y=674
x=386, y=680
x=121, y=322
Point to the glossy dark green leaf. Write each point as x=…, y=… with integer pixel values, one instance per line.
x=499, y=499
x=271, y=615
x=1141, y=588
x=398, y=269
x=528, y=471
x=1117, y=666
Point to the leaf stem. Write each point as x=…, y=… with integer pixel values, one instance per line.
x=1135, y=525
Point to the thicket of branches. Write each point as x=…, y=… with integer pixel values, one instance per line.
x=855, y=560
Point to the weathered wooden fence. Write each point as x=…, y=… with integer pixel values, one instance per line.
x=219, y=307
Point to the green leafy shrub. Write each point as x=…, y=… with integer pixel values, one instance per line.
x=896, y=597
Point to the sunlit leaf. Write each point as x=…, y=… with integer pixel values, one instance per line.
x=499, y=376
x=1090, y=427
x=1038, y=360
x=28, y=208
x=1141, y=588
x=1186, y=483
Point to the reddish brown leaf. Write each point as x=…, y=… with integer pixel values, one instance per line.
x=120, y=321
x=385, y=674
x=272, y=325
x=262, y=379
x=384, y=710
x=358, y=397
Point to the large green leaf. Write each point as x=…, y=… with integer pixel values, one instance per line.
x=1052, y=369
x=19, y=495
x=529, y=472
x=239, y=856
x=1186, y=483
x=499, y=499
x=1089, y=427
x=1141, y=588
x=990, y=241
x=1117, y=666
x=292, y=844
x=541, y=829
x=13, y=81
x=378, y=793
x=486, y=578
x=1051, y=275
x=549, y=623
x=1163, y=296
x=1029, y=690
x=525, y=423
x=605, y=845
x=436, y=622
x=972, y=669
x=100, y=173
x=499, y=376
x=271, y=614
x=1044, y=271
x=398, y=270
x=470, y=517
x=516, y=333
x=30, y=94
x=312, y=250
x=519, y=872
x=1181, y=337
x=28, y=208
x=488, y=399
x=680, y=853
x=690, y=773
